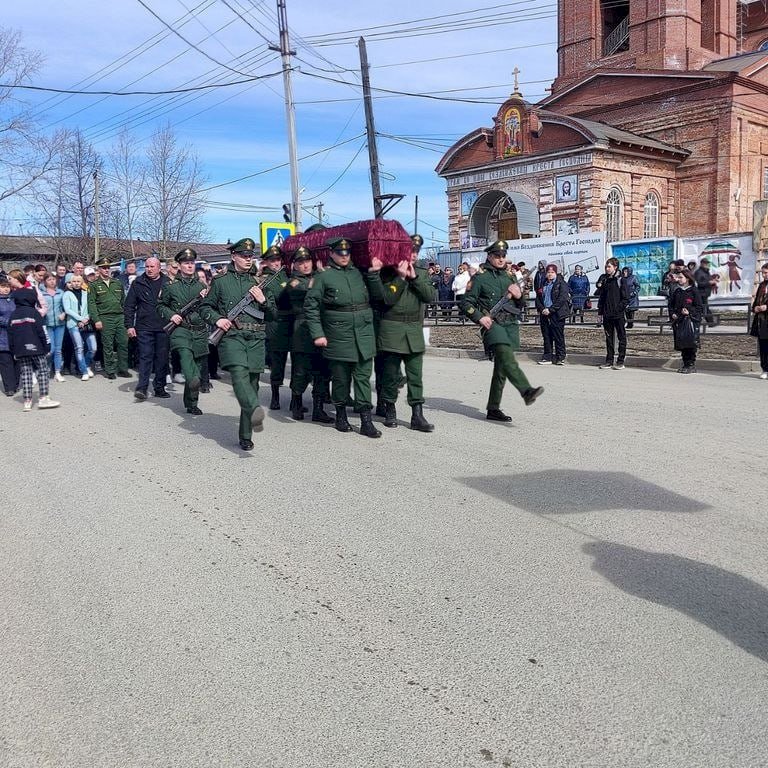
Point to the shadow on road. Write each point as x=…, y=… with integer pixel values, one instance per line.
x=731, y=605
x=446, y=405
x=566, y=491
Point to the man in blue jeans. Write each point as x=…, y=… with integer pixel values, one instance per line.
x=144, y=325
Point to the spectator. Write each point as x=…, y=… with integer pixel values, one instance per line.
x=29, y=345
x=552, y=303
x=691, y=267
x=685, y=305
x=129, y=275
x=9, y=368
x=144, y=324
x=79, y=326
x=540, y=277
x=61, y=273
x=461, y=280
x=611, y=305
x=445, y=292
x=78, y=269
x=632, y=285
x=18, y=280
x=759, y=328
x=55, y=322
x=705, y=283
x=578, y=284
x=668, y=283
x=171, y=270
x=38, y=276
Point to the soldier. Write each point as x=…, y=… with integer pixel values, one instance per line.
x=241, y=351
x=400, y=335
x=106, y=298
x=190, y=339
x=307, y=361
x=340, y=321
x=278, y=330
x=501, y=336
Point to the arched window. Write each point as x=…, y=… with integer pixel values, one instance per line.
x=763, y=46
x=614, y=224
x=651, y=216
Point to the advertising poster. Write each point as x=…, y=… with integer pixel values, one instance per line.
x=732, y=260
x=587, y=249
x=649, y=260
x=468, y=199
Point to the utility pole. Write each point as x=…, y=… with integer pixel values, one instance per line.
x=416, y=217
x=96, y=215
x=290, y=110
x=319, y=213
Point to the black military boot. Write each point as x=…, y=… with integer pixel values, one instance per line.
x=318, y=414
x=390, y=415
x=381, y=408
x=418, y=422
x=342, y=424
x=297, y=412
x=366, y=425
x=274, y=403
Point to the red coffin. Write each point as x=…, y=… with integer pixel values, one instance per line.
x=385, y=239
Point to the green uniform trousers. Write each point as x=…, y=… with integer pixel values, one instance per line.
x=191, y=367
x=505, y=367
x=277, y=360
x=344, y=374
x=114, y=339
x=306, y=367
x=391, y=374
x=245, y=384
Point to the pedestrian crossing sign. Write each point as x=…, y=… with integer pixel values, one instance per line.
x=275, y=233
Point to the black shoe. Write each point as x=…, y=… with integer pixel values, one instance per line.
x=274, y=403
x=366, y=425
x=559, y=362
x=10, y=392
x=630, y=325
x=318, y=414
x=342, y=423
x=162, y=394
x=418, y=422
x=530, y=395
x=381, y=408
x=110, y=375
x=205, y=388
x=246, y=445
x=195, y=411
x=257, y=419
x=123, y=374
x=140, y=394
x=297, y=409
x=390, y=415
x=494, y=414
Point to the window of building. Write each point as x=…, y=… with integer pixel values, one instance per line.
x=763, y=46
x=651, y=216
x=614, y=225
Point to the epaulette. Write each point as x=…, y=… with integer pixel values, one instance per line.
x=480, y=271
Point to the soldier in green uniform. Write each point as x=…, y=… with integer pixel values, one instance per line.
x=190, y=339
x=106, y=297
x=340, y=321
x=400, y=338
x=241, y=351
x=502, y=335
x=307, y=361
x=278, y=330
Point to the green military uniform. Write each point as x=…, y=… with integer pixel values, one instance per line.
x=337, y=307
x=278, y=331
x=241, y=350
x=190, y=339
x=105, y=304
x=401, y=335
x=503, y=337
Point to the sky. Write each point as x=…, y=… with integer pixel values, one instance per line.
x=455, y=57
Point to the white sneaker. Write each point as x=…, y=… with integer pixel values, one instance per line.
x=168, y=379
x=605, y=366
x=46, y=402
x=179, y=378
x=58, y=377
x=27, y=406
x=618, y=367
x=85, y=377
x=764, y=375
x=90, y=374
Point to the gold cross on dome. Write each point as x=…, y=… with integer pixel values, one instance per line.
x=516, y=72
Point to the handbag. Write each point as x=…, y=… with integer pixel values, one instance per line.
x=685, y=334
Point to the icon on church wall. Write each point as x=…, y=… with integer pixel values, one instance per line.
x=513, y=143
x=468, y=199
x=566, y=188
x=567, y=227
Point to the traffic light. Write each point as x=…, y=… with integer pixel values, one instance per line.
x=287, y=213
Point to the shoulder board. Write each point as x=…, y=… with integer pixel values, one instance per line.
x=283, y=284
x=293, y=283
x=480, y=271
x=311, y=282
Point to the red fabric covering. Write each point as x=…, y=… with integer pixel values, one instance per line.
x=385, y=239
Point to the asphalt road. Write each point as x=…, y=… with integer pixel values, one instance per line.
x=585, y=586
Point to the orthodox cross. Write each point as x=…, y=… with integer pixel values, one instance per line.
x=516, y=72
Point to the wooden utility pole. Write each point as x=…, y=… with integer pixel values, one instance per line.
x=373, y=154
x=416, y=216
x=95, y=215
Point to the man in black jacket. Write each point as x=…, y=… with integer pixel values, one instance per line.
x=553, y=305
x=611, y=306
x=704, y=282
x=144, y=325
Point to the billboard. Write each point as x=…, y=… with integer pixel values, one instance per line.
x=649, y=260
x=732, y=260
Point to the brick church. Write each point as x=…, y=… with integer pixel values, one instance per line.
x=657, y=125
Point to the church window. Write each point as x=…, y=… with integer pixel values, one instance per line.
x=651, y=216
x=614, y=225
x=763, y=46
x=615, y=18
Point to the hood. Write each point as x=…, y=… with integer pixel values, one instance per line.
x=24, y=297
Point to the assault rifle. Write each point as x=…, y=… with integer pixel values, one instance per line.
x=218, y=334
x=188, y=308
x=506, y=305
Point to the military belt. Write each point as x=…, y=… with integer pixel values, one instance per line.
x=194, y=326
x=347, y=308
x=404, y=318
x=249, y=326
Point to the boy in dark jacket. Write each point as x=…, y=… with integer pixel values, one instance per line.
x=611, y=307
x=29, y=346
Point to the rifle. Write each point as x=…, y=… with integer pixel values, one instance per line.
x=189, y=307
x=218, y=334
x=506, y=305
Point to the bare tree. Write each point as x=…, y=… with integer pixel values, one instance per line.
x=175, y=202
x=129, y=171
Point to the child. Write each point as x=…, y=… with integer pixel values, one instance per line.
x=9, y=368
x=30, y=347
x=685, y=304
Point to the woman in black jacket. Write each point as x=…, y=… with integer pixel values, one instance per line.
x=686, y=310
x=553, y=306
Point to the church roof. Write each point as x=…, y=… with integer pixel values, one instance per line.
x=736, y=63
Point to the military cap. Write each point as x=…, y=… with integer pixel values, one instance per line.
x=245, y=246
x=102, y=261
x=417, y=241
x=302, y=254
x=340, y=245
x=187, y=254
x=273, y=252
x=500, y=247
